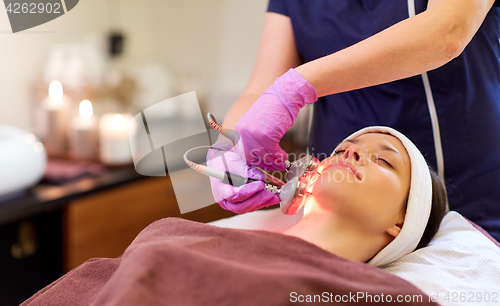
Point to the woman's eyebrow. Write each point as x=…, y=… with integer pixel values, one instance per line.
x=382, y=146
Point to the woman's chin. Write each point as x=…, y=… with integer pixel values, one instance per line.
x=332, y=194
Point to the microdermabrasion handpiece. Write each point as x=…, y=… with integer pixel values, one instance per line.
x=292, y=194
x=299, y=175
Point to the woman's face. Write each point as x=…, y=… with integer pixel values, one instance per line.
x=365, y=181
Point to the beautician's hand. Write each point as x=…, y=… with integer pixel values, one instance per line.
x=265, y=123
x=249, y=197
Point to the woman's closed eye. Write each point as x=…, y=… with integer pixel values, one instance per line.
x=338, y=152
x=385, y=161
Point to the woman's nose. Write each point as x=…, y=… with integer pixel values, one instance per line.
x=353, y=153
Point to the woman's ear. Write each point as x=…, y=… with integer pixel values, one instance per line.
x=394, y=230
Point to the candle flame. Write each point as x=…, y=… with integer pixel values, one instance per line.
x=55, y=90
x=85, y=109
x=118, y=122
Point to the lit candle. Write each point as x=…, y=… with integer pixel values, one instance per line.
x=114, y=140
x=83, y=133
x=55, y=117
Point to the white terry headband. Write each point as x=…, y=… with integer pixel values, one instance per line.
x=419, y=201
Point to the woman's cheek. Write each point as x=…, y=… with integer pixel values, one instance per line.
x=392, y=189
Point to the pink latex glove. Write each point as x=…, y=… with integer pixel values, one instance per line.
x=265, y=123
x=243, y=199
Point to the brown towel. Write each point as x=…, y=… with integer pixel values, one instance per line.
x=179, y=262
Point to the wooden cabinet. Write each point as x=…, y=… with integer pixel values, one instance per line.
x=105, y=223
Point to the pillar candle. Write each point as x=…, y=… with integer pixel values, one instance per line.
x=83, y=133
x=54, y=119
x=114, y=140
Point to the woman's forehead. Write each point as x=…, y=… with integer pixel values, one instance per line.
x=379, y=135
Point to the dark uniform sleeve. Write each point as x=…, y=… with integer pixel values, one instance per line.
x=280, y=7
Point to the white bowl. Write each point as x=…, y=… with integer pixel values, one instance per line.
x=23, y=160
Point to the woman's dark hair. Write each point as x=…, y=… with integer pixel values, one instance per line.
x=438, y=210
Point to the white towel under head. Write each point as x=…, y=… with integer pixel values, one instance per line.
x=419, y=201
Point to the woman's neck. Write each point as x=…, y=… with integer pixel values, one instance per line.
x=336, y=235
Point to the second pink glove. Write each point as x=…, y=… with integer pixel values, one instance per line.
x=243, y=199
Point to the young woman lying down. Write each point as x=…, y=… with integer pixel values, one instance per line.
x=387, y=204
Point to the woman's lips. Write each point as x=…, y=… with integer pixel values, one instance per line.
x=345, y=165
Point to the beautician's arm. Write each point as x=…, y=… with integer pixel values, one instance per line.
x=410, y=47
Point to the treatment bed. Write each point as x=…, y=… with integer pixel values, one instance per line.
x=179, y=262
